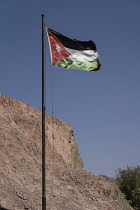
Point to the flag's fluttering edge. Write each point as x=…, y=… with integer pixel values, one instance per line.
x=71, y=53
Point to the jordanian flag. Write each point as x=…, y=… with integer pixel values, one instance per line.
x=71, y=53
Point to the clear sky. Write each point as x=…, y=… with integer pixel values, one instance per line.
x=102, y=107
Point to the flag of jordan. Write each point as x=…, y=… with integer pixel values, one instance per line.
x=71, y=53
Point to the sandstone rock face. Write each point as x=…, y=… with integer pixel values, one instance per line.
x=68, y=185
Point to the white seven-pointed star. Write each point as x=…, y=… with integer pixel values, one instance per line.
x=58, y=48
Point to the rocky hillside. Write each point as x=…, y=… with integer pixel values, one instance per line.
x=68, y=185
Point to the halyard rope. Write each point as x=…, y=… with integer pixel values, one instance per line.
x=52, y=124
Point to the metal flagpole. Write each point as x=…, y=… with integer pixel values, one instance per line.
x=43, y=122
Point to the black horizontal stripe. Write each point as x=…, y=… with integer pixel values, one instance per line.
x=73, y=43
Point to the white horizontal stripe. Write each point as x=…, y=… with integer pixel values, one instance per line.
x=82, y=55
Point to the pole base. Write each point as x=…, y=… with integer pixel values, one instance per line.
x=43, y=203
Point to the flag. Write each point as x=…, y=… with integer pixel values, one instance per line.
x=71, y=53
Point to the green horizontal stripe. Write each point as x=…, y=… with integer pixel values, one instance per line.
x=81, y=65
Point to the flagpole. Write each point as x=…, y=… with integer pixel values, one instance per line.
x=43, y=123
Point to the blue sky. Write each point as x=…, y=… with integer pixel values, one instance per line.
x=102, y=107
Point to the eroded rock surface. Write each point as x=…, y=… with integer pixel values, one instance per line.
x=68, y=185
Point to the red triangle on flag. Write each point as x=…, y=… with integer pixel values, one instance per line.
x=58, y=51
